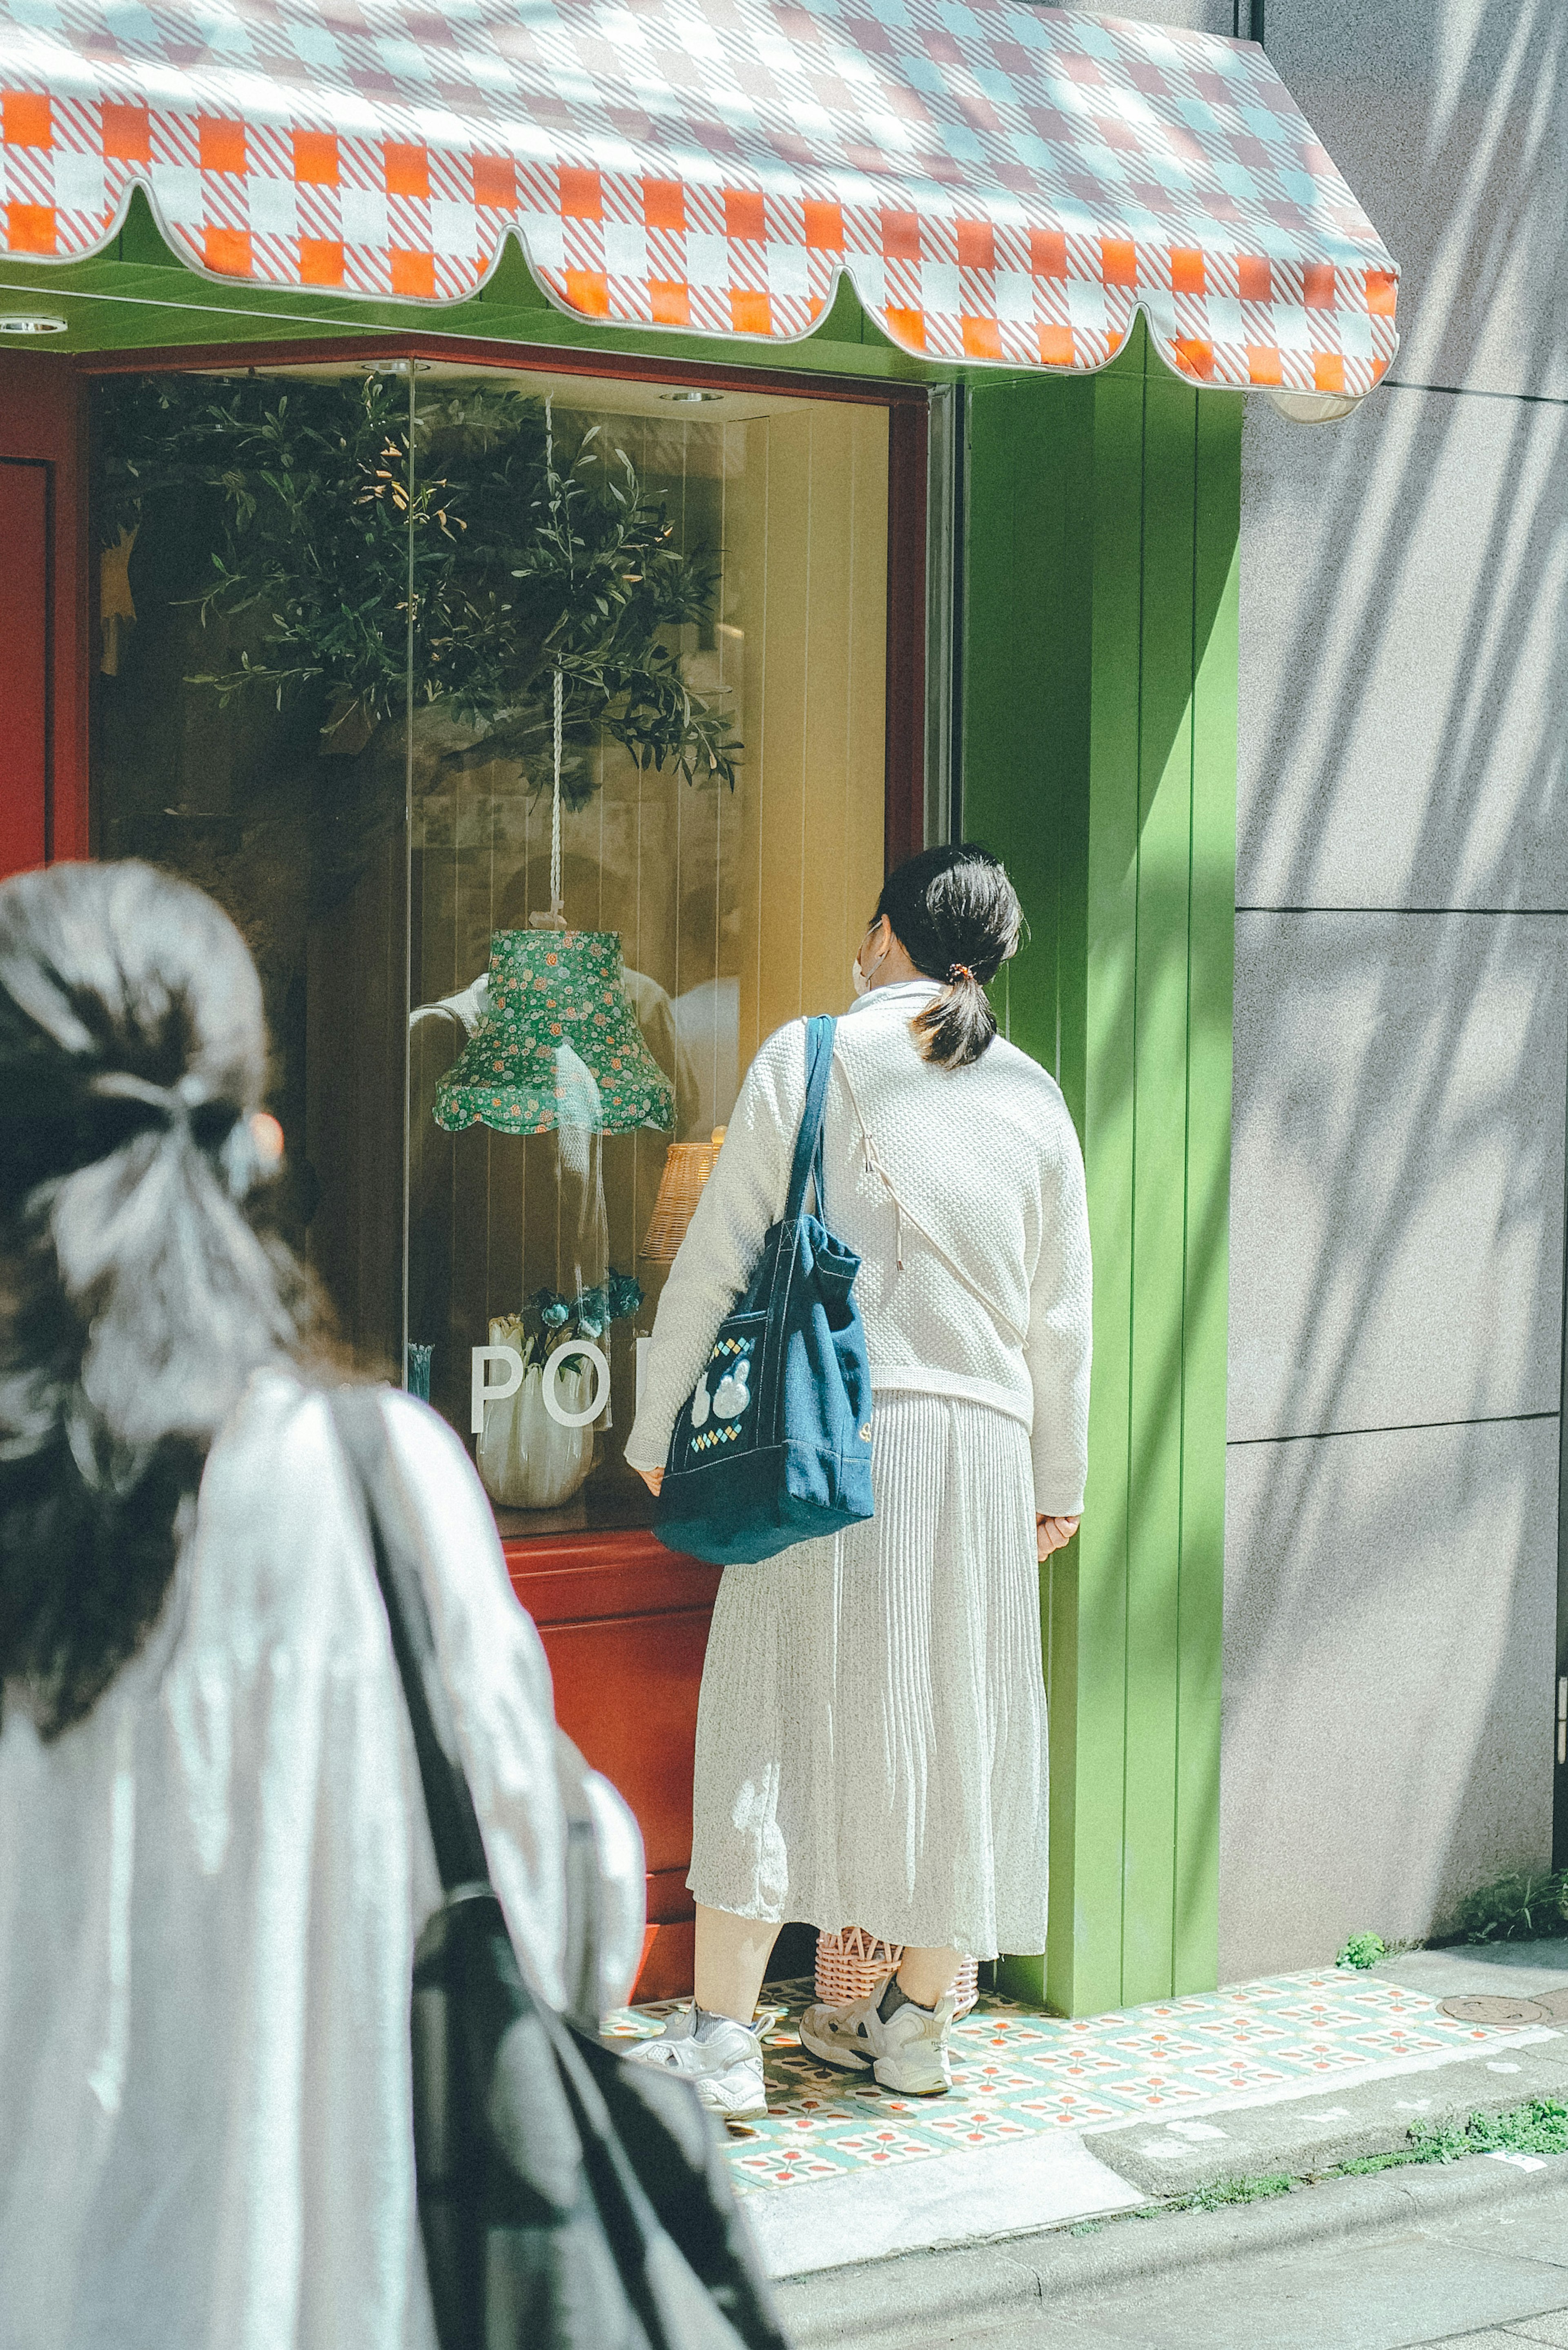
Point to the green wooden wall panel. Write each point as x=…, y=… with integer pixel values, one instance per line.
x=1026, y=667
x=1025, y=657
x=1211, y=932
x=1109, y=786
x=1102, y=599
x=1158, y=1022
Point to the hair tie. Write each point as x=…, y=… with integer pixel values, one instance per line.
x=165, y=1102
x=960, y=970
x=206, y=1118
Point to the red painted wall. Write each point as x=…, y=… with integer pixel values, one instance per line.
x=625, y=1625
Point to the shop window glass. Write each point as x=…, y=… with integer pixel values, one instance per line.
x=500, y=1095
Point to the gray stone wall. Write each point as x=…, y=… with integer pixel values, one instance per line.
x=1401, y=1006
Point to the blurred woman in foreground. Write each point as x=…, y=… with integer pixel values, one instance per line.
x=214, y=1855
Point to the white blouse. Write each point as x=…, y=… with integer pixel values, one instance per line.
x=210, y=1893
x=962, y=1192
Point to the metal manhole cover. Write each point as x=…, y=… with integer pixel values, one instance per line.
x=1490, y=2007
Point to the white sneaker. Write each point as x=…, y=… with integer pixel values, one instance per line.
x=726, y=2063
x=907, y=2054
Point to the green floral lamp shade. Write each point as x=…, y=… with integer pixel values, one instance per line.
x=558, y=1045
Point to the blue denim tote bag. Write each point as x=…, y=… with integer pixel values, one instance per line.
x=775, y=1444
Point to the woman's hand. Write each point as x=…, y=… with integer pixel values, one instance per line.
x=1050, y=1533
x=654, y=1478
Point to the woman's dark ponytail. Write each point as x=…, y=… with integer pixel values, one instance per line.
x=135, y=1297
x=957, y=916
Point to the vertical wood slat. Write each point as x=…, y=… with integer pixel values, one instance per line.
x=831, y=622
x=782, y=749
x=1109, y=786
x=865, y=725
x=1158, y=1184
x=1103, y=532
x=1026, y=648
x=1212, y=934
x=812, y=549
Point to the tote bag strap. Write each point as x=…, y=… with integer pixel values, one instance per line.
x=819, y=1036
x=361, y=1427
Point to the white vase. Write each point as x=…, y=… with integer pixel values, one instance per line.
x=528, y=1460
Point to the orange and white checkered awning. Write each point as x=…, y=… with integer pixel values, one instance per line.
x=1000, y=182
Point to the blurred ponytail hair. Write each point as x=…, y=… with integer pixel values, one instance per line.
x=135, y=1297
x=957, y=916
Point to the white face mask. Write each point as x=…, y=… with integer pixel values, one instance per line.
x=861, y=983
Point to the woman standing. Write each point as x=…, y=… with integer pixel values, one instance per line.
x=214, y=1860
x=871, y=1731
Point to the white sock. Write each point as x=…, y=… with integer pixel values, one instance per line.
x=705, y=2021
x=894, y=1997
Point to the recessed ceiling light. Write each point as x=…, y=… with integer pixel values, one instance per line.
x=691, y=399
x=30, y=322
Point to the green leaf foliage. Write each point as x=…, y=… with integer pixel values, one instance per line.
x=461, y=545
x=1527, y=1906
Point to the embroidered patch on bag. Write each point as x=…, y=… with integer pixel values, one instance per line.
x=712, y=1436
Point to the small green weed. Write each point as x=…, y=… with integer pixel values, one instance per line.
x=1539, y=2128
x=1240, y=2191
x=1363, y=1950
x=1523, y=1907
x=1256, y=2189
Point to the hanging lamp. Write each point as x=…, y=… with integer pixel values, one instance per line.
x=557, y=1043
x=559, y=1028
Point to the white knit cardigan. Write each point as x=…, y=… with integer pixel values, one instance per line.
x=962, y=1192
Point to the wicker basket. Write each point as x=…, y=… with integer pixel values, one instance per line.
x=851, y=1964
x=687, y=1167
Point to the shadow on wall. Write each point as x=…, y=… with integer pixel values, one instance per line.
x=1447, y=116
x=1398, y=1178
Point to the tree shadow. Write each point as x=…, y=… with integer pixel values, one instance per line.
x=1399, y=1087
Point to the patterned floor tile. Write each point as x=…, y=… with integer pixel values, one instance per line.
x=1067, y=2112
x=1018, y=2073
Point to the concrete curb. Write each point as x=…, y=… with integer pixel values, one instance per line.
x=1262, y=2137
x=881, y=2301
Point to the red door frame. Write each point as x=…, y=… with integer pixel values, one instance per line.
x=624, y=1621
x=43, y=767
x=25, y=486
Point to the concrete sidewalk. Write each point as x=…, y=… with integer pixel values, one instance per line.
x=1054, y=2123
x=1248, y=2137
x=1424, y=2257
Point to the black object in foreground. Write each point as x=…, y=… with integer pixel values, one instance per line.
x=568, y=2200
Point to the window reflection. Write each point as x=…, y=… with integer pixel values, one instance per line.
x=495, y=1164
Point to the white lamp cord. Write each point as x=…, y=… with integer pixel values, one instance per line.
x=555, y=908
x=557, y=912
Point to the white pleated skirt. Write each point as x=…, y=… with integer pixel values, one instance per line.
x=871, y=1730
